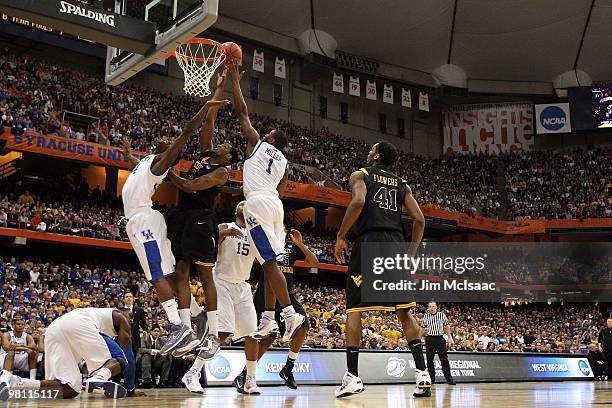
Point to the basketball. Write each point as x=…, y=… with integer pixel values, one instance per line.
x=233, y=53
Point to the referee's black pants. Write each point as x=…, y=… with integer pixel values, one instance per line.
x=433, y=345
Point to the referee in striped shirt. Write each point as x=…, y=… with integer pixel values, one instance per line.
x=436, y=324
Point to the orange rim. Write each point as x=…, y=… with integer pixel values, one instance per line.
x=220, y=53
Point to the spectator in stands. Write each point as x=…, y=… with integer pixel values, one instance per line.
x=3, y=218
x=151, y=362
x=26, y=198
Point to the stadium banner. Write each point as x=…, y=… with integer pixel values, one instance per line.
x=65, y=148
x=490, y=128
x=315, y=366
x=553, y=118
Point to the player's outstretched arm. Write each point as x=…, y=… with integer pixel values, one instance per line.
x=310, y=257
x=209, y=123
x=125, y=144
x=241, y=109
x=358, y=195
x=168, y=157
x=418, y=221
x=215, y=179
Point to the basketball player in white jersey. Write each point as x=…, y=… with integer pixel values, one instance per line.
x=19, y=351
x=237, y=317
x=86, y=334
x=146, y=228
x=264, y=182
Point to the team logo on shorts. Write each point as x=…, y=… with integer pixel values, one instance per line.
x=252, y=222
x=357, y=279
x=147, y=234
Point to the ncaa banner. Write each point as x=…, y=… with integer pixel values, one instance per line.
x=553, y=118
x=488, y=128
x=316, y=366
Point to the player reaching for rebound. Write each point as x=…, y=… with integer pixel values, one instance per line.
x=268, y=307
x=378, y=220
x=237, y=317
x=264, y=182
x=83, y=334
x=146, y=229
x=193, y=229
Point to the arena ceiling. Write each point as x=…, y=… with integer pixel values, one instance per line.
x=520, y=40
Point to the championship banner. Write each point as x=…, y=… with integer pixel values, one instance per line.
x=488, y=128
x=314, y=367
x=371, y=90
x=388, y=93
x=406, y=98
x=354, y=88
x=338, y=83
x=258, y=61
x=279, y=68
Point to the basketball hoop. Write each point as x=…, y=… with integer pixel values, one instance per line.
x=199, y=58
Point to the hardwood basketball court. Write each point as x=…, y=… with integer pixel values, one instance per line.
x=495, y=395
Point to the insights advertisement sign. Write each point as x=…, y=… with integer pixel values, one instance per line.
x=378, y=367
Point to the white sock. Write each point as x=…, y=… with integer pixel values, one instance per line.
x=194, y=308
x=198, y=364
x=185, y=316
x=251, y=368
x=288, y=310
x=33, y=373
x=213, y=325
x=171, y=308
x=293, y=355
x=268, y=314
x=103, y=374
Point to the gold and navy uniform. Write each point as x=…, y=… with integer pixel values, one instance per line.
x=193, y=228
x=380, y=221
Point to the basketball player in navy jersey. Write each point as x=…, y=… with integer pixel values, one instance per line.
x=193, y=228
x=378, y=198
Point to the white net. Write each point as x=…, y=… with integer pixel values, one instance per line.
x=199, y=61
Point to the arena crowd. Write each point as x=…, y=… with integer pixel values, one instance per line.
x=553, y=185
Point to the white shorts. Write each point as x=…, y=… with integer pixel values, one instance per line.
x=236, y=309
x=264, y=215
x=71, y=338
x=149, y=237
x=20, y=362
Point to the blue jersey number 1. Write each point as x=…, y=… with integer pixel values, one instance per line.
x=269, y=169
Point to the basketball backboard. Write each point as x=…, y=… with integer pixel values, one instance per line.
x=176, y=22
